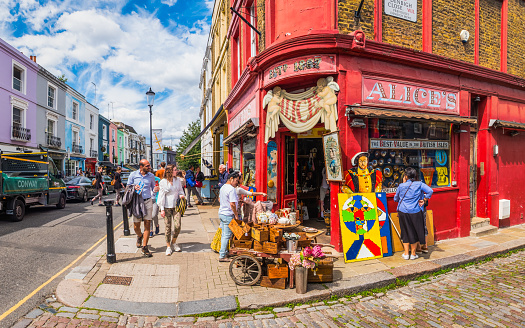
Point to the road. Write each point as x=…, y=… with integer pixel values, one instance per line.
x=46, y=241
x=491, y=294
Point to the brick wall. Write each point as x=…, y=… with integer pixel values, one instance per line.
x=261, y=24
x=404, y=33
x=516, y=46
x=448, y=19
x=490, y=33
x=346, y=21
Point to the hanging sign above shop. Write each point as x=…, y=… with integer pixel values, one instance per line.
x=409, y=96
x=404, y=9
x=300, y=66
x=408, y=144
x=300, y=112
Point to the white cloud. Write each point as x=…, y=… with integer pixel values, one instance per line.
x=123, y=54
x=169, y=2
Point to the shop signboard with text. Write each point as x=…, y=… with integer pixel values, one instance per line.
x=408, y=144
x=410, y=96
x=299, y=66
x=404, y=9
x=247, y=112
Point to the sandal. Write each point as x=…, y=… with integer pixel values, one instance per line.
x=139, y=241
x=424, y=250
x=146, y=252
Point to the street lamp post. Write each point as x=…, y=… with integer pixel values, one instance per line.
x=150, y=96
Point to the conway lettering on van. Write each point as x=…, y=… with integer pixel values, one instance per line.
x=27, y=184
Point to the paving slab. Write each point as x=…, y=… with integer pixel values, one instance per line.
x=71, y=293
x=414, y=270
x=33, y=314
x=282, y=297
x=134, y=308
x=227, y=303
x=22, y=323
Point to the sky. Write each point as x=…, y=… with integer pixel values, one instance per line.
x=113, y=51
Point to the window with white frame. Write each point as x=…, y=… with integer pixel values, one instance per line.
x=104, y=132
x=18, y=118
x=91, y=144
x=51, y=96
x=76, y=139
x=253, y=37
x=91, y=121
x=75, y=111
x=19, y=77
x=51, y=127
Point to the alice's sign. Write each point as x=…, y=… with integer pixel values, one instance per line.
x=408, y=144
x=246, y=113
x=409, y=96
x=404, y=9
x=299, y=66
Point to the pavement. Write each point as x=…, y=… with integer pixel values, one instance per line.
x=194, y=282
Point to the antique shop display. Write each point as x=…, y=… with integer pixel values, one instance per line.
x=301, y=112
x=362, y=178
x=332, y=157
x=384, y=224
x=360, y=228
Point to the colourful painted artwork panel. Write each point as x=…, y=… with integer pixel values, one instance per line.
x=360, y=228
x=384, y=224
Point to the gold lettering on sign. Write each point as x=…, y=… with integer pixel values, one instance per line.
x=277, y=71
x=309, y=63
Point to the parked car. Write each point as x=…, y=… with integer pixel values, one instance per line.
x=106, y=182
x=79, y=188
x=124, y=177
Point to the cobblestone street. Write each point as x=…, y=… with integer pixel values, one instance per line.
x=484, y=295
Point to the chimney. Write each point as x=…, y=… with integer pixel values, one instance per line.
x=33, y=58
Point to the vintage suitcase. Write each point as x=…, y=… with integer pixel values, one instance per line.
x=279, y=283
x=277, y=271
x=324, y=273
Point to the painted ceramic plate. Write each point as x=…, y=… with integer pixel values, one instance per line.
x=309, y=229
x=396, y=168
x=387, y=171
x=396, y=176
x=374, y=163
x=381, y=161
x=389, y=161
x=392, y=153
x=376, y=154
x=383, y=153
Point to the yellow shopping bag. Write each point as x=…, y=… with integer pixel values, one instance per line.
x=216, y=243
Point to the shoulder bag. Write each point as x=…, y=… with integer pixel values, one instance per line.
x=406, y=193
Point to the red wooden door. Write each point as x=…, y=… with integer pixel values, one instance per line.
x=288, y=171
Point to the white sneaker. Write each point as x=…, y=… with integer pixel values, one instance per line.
x=406, y=257
x=168, y=251
x=176, y=248
x=413, y=257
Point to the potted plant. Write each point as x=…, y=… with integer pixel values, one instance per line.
x=291, y=241
x=301, y=262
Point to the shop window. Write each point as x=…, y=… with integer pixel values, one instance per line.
x=236, y=158
x=248, y=162
x=396, y=145
x=221, y=149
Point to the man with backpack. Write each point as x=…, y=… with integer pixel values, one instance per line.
x=190, y=187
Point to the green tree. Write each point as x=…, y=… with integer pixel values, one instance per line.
x=63, y=78
x=193, y=157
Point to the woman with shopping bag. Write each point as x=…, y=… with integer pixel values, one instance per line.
x=170, y=192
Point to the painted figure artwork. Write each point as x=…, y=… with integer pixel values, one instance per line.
x=332, y=157
x=360, y=227
x=384, y=224
x=272, y=170
x=360, y=178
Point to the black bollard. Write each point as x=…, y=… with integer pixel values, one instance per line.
x=110, y=256
x=125, y=220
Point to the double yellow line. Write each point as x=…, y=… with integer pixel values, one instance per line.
x=33, y=293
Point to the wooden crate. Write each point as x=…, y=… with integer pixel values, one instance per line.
x=277, y=271
x=246, y=244
x=257, y=246
x=324, y=273
x=304, y=243
x=240, y=229
x=260, y=233
x=279, y=283
x=271, y=248
x=276, y=235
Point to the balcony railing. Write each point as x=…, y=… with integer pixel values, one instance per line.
x=93, y=153
x=20, y=133
x=53, y=141
x=76, y=149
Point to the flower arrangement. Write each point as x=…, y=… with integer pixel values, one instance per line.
x=308, y=258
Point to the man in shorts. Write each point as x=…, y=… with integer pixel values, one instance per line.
x=145, y=180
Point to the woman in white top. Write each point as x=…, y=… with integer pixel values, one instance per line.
x=170, y=189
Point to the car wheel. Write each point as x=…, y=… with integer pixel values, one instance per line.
x=62, y=201
x=85, y=198
x=106, y=191
x=19, y=211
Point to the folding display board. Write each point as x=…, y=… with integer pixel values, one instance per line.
x=384, y=224
x=397, y=244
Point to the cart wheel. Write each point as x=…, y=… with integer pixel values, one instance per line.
x=245, y=270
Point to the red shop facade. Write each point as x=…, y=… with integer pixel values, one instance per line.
x=462, y=125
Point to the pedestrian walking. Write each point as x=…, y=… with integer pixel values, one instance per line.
x=199, y=178
x=144, y=184
x=190, y=187
x=223, y=176
x=118, y=184
x=227, y=211
x=160, y=173
x=170, y=190
x=408, y=196
x=155, y=215
x=99, y=187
